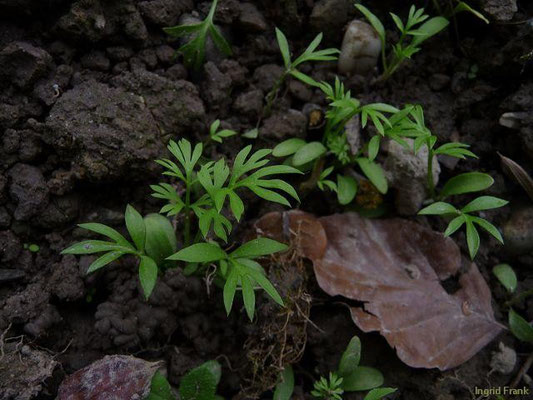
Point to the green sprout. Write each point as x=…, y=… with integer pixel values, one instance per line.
x=464, y=216
x=413, y=32
x=238, y=268
x=520, y=328
x=153, y=240
x=328, y=389
x=218, y=136
x=194, y=50
x=291, y=66
x=203, y=192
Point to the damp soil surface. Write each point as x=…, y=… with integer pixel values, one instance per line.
x=91, y=91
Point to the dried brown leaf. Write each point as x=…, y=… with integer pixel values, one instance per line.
x=114, y=377
x=396, y=267
x=517, y=174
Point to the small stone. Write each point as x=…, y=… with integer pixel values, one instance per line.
x=503, y=360
x=360, y=49
x=28, y=189
x=266, y=76
x=250, y=19
x=407, y=173
x=177, y=72
x=165, y=54
x=22, y=64
x=249, y=103
x=512, y=120
x=518, y=231
x=300, y=90
x=501, y=10
x=119, y=53
x=165, y=12
x=329, y=16
x=291, y=123
x=96, y=60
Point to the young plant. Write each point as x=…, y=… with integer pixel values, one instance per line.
x=413, y=32
x=204, y=191
x=349, y=377
x=201, y=382
x=519, y=327
x=153, y=240
x=291, y=66
x=465, y=183
x=218, y=136
x=194, y=51
x=238, y=268
x=328, y=389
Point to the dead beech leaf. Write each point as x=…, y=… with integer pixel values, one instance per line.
x=302, y=229
x=517, y=174
x=395, y=267
x=114, y=377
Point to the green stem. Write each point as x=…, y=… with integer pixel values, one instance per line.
x=187, y=231
x=431, y=183
x=519, y=297
x=271, y=96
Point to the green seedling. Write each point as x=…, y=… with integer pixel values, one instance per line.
x=349, y=377
x=201, y=194
x=160, y=388
x=201, y=382
x=328, y=389
x=208, y=187
x=34, y=248
x=291, y=66
x=218, y=136
x=413, y=32
x=194, y=50
x=151, y=241
x=238, y=268
x=519, y=327
x=464, y=216
x=456, y=7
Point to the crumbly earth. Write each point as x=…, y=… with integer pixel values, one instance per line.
x=91, y=92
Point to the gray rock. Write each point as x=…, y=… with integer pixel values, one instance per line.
x=329, y=16
x=216, y=88
x=164, y=12
x=500, y=10
x=249, y=103
x=22, y=64
x=29, y=191
x=175, y=105
x=95, y=60
x=407, y=173
x=503, y=360
x=93, y=20
x=250, y=19
x=288, y=124
x=105, y=131
x=266, y=76
x=518, y=231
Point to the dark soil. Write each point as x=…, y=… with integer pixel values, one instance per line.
x=91, y=93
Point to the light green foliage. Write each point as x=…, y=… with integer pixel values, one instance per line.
x=152, y=243
x=194, y=50
x=379, y=393
x=285, y=387
x=328, y=389
x=218, y=136
x=520, y=327
x=506, y=276
x=413, y=32
x=463, y=216
x=291, y=66
x=217, y=185
x=238, y=268
x=462, y=6
x=160, y=388
x=201, y=382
